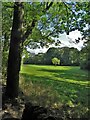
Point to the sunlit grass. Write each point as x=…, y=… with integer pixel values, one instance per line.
x=54, y=86
x=61, y=73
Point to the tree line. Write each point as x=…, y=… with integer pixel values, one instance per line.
x=67, y=56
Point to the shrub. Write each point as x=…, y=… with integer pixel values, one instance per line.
x=56, y=61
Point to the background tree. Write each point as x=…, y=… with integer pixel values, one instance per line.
x=56, y=61
x=74, y=56
x=85, y=57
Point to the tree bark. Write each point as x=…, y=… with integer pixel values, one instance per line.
x=14, y=58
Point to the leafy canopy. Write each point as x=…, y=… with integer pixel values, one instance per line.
x=51, y=19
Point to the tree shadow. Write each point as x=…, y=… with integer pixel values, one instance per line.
x=69, y=74
x=50, y=92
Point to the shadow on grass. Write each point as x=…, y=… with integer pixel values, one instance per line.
x=50, y=93
x=68, y=74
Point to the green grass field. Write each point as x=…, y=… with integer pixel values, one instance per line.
x=55, y=86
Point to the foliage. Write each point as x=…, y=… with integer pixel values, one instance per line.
x=85, y=58
x=55, y=61
x=49, y=22
x=5, y=52
x=54, y=87
x=67, y=56
x=6, y=29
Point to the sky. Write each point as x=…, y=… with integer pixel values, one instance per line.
x=66, y=40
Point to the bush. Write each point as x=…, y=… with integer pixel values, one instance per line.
x=85, y=65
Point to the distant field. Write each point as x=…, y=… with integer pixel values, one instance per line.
x=54, y=86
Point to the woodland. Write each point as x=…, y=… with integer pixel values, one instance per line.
x=46, y=86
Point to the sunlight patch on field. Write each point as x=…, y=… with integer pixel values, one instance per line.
x=60, y=73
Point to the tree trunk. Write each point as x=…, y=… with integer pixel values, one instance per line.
x=14, y=58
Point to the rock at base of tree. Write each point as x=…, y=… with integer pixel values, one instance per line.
x=35, y=113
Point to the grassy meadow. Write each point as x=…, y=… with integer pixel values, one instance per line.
x=55, y=86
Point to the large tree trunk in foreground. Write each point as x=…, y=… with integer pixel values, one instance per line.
x=14, y=58
x=17, y=38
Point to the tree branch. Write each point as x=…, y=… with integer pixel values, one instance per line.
x=68, y=8
x=30, y=28
x=67, y=31
x=48, y=6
